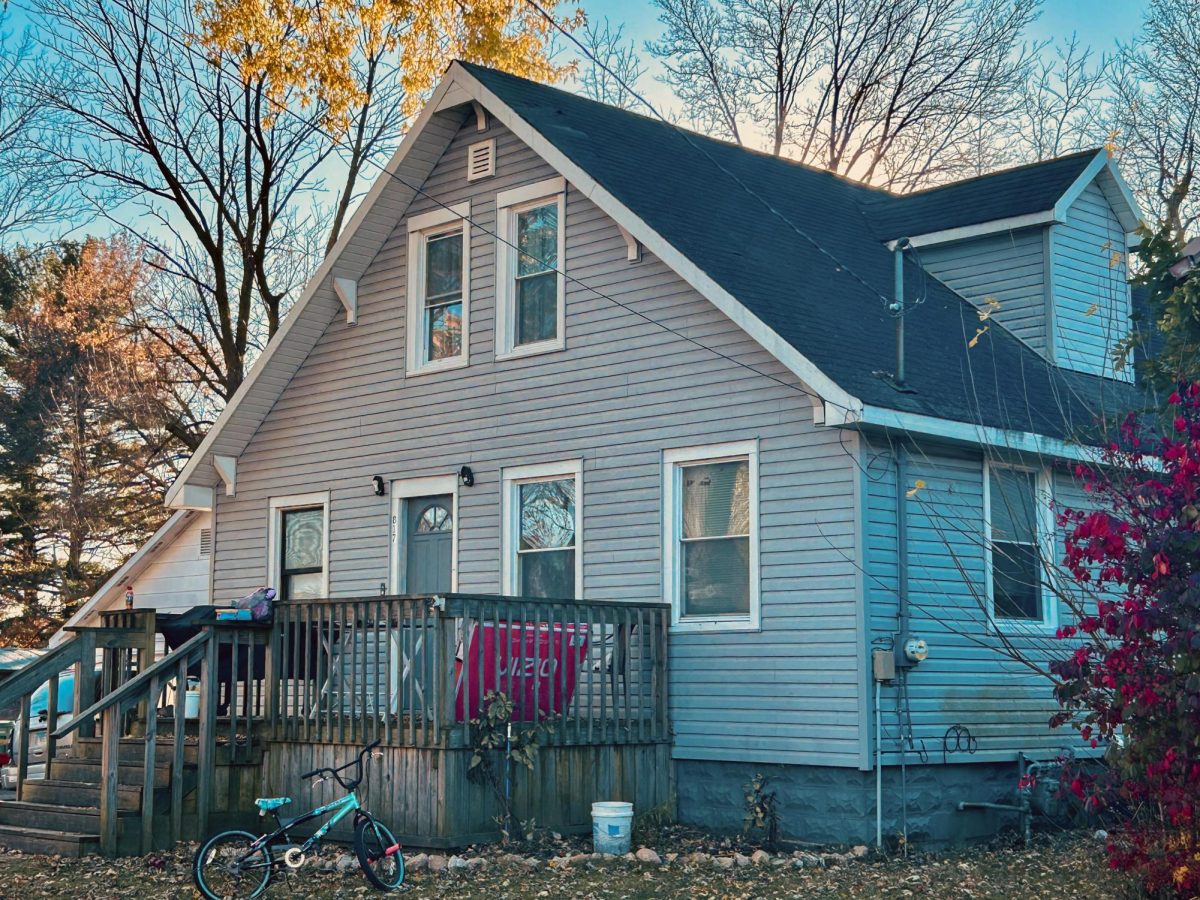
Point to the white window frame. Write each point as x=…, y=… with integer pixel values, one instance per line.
x=1044, y=522
x=508, y=204
x=420, y=229
x=277, y=506
x=673, y=463
x=511, y=478
x=405, y=489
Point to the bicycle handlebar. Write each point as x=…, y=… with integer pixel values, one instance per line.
x=333, y=773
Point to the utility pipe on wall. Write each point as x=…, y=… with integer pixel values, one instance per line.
x=878, y=771
x=897, y=306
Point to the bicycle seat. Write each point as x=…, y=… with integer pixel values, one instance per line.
x=267, y=804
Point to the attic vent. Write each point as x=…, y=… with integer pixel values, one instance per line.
x=205, y=542
x=481, y=160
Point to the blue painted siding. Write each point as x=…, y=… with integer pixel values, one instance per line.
x=1009, y=267
x=966, y=680
x=1091, y=294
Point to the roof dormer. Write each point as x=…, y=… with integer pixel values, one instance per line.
x=1041, y=248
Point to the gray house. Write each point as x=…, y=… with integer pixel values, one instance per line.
x=565, y=351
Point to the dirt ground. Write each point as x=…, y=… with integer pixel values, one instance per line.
x=1052, y=868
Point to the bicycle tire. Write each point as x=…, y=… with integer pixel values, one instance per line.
x=239, y=842
x=371, y=841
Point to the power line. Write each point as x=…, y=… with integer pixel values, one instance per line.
x=417, y=189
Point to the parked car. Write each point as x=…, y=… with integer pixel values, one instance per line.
x=39, y=703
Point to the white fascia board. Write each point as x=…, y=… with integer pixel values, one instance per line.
x=318, y=280
x=166, y=533
x=1131, y=216
x=965, y=232
x=1127, y=211
x=978, y=435
x=788, y=355
x=192, y=496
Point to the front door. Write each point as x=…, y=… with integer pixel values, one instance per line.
x=429, y=545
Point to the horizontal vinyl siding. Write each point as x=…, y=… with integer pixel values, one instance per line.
x=176, y=579
x=622, y=392
x=1009, y=267
x=1091, y=296
x=966, y=680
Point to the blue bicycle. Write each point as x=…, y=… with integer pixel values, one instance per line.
x=238, y=864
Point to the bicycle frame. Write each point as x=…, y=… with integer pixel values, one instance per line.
x=340, y=809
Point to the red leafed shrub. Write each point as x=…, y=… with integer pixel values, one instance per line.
x=1134, y=678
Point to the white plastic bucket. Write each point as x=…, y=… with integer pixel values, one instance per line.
x=191, y=699
x=612, y=825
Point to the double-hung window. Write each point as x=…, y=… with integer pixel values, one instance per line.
x=1017, y=512
x=438, y=289
x=710, y=541
x=529, y=269
x=542, y=528
x=298, y=563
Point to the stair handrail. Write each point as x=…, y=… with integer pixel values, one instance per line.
x=31, y=676
x=134, y=687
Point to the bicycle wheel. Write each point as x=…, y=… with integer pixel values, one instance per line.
x=227, y=868
x=378, y=854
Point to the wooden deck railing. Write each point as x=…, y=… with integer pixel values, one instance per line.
x=413, y=671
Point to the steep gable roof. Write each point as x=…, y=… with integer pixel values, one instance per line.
x=798, y=247
x=792, y=254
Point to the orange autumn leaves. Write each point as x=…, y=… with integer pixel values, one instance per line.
x=308, y=51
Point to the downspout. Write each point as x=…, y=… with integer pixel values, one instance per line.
x=902, y=607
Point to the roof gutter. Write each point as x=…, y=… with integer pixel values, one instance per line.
x=968, y=433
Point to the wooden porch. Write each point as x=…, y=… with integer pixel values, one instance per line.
x=328, y=676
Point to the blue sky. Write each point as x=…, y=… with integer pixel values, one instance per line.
x=1099, y=23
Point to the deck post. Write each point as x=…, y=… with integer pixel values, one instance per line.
x=206, y=763
x=85, y=679
x=109, y=770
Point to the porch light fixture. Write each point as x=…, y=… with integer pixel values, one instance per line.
x=377, y=481
x=466, y=477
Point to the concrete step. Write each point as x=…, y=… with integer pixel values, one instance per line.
x=49, y=842
x=54, y=817
x=89, y=770
x=132, y=750
x=79, y=794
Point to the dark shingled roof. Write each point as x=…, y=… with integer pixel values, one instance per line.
x=1025, y=189
x=833, y=311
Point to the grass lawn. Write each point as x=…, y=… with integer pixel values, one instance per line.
x=1058, y=868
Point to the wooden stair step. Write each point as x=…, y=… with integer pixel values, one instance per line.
x=41, y=840
x=79, y=793
x=89, y=770
x=133, y=750
x=54, y=816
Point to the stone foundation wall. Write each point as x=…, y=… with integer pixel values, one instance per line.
x=828, y=805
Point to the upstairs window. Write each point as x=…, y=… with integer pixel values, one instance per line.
x=530, y=280
x=711, y=503
x=439, y=274
x=1018, y=534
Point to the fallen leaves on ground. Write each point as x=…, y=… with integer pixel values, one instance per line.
x=1056, y=868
